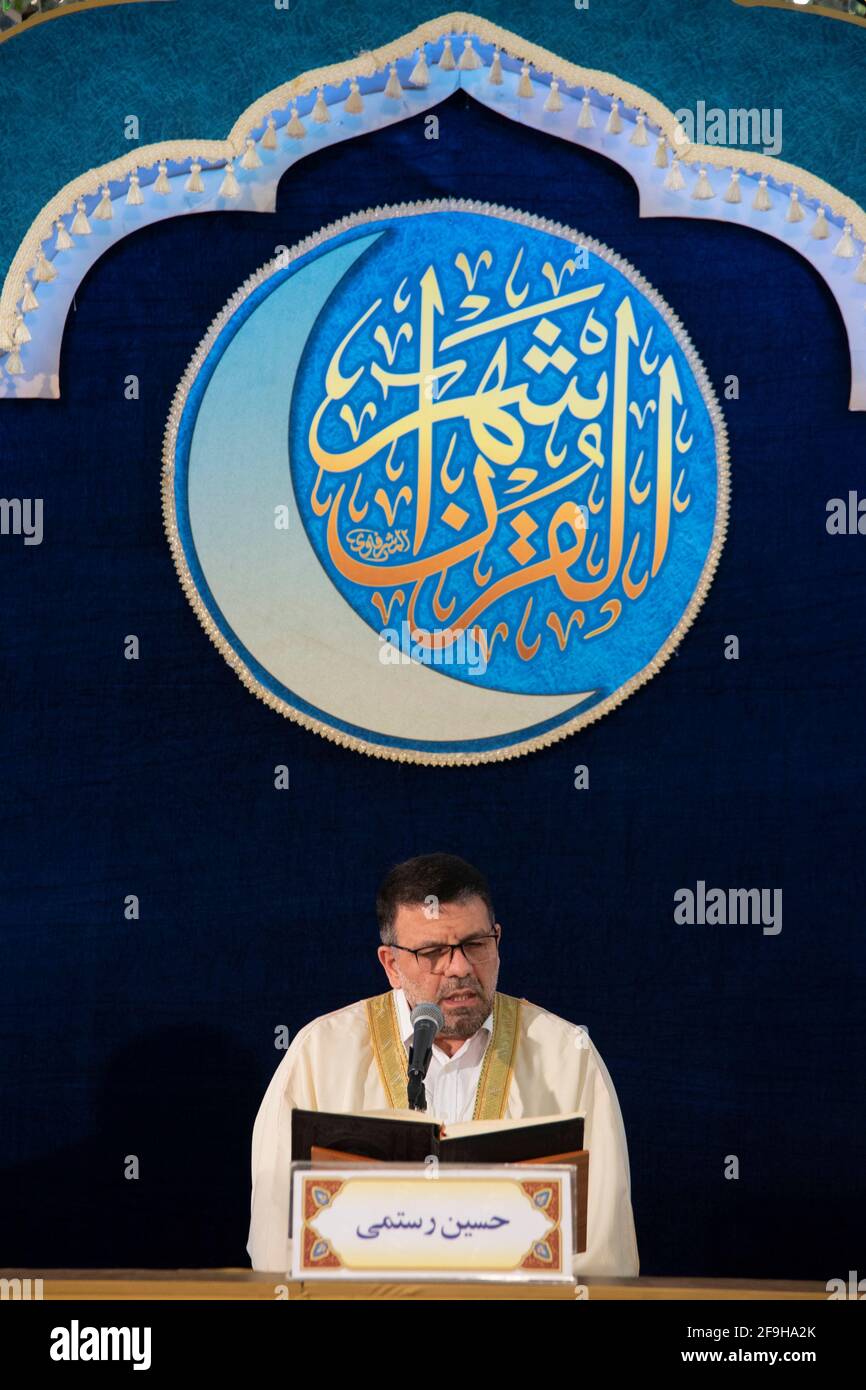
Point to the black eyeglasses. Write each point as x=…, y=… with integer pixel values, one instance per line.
x=476, y=949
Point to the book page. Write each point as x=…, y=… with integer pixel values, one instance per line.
x=464, y=1127
x=459, y=1129
x=423, y=1116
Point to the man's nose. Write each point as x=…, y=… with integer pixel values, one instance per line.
x=459, y=965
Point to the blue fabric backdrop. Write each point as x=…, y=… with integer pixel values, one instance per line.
x=155, y=777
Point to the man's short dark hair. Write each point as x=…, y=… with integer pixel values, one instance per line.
x=446, y=877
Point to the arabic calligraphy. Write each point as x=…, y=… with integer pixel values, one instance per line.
x=456, y=1227
x=499, y=435
x=372, y=546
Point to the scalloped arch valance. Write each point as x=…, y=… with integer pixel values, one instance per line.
x=414, y=74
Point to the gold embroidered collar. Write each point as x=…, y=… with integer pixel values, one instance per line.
x=497, y=1068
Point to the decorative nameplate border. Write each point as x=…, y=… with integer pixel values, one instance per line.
x=468, y=1223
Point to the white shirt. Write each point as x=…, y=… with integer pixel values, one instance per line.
x=451, y=1082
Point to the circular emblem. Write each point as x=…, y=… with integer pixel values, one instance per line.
x=446, y=482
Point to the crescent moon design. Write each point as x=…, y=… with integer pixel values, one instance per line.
x=252, y=574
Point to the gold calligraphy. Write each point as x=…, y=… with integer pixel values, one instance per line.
x=460, y=373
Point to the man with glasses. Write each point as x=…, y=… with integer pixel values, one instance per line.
x=496, y=1057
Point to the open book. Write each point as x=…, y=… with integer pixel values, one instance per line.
x=410, y=1136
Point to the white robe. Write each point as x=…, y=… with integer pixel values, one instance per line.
x=557, y=1070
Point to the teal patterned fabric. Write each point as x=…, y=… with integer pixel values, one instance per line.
x=187, y=68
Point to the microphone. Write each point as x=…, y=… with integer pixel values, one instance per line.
x=427, y=1020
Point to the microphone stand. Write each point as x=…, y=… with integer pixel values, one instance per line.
x=417, y=1092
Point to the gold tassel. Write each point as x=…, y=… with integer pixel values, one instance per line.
x=63, y=241
x=44, y=271
x=733, y=193
x=393, y=90
x=640, y=136
x=161, y=183
x=553, y=101
x=703, y=188
x=320, y=113
x=80, y=225
x=661, y=155
x=674, y=177
x=524, y=86
x=469, y=59
x=13, y=363
x=614, y=120
x=495, y=77
x=103, y=210
x=269, y=139
x=761, y=201
x=420, y=74
x=860, y=272
x=795, y=211
x=134, y=196
x=251, y=159
x=229, y=188
x=586, y=119
x=820, y=230
x=844, y=246
x=194, y=182
x=446, y=62
x=21, y=333
x=29, y=300
x=295, y=127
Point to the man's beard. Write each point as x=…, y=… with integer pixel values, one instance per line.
x=462, y=1021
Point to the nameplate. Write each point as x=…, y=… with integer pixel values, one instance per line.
x=423, y=1222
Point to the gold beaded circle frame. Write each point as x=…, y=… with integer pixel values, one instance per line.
x=422, y=755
